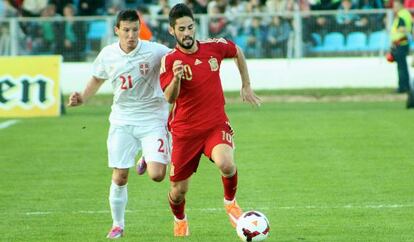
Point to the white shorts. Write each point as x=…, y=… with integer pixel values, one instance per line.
x=125, y=141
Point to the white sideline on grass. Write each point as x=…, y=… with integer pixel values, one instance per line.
x=349, y=206
x=8, y=123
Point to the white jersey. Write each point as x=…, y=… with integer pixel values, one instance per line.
x=138, y=98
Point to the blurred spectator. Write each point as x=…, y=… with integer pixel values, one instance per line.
x=283, y=7
x=323, y=24
x=408, y=4
x=233, y=9
x=255, y=37
x=307, y=25
x=7, y=10
x=325, y=4
x=35, y=40
x=41, y=35
x=163, y=4
x=114, y=6
x=60, y=4
x=197, y=6
x=133, y=3
x=218, y=24
x=33, y=8
x=73, y=38
x=235, y=6
x=161, y=28
x=375, y=22
x=347, y=21
x=304, y=6
x=388, y=3
x=91, y=7
x=17, y=4
x=372, y=4
x=220, y=4
x=255, y=6
x=290, y=7
x=275, y=6
x=4, y=39
x=277, y=37
x=400, y=33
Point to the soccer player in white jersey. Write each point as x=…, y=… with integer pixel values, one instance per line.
x=139, y=111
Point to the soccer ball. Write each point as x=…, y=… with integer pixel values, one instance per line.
x=253, y=226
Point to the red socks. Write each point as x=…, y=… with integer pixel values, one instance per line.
x=177, y=209
x=230, y=186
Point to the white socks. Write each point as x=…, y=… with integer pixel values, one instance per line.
x=118, y=198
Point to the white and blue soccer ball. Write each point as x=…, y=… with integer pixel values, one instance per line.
x=253, y=226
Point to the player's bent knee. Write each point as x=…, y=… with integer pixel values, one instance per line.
x=177, y=196
x=178, y=192
x=156, y=171
x=227, y=168
x=120, y=176
x=120, y=181
x=157, y=177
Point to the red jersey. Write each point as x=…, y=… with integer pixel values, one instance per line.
x=200, y=103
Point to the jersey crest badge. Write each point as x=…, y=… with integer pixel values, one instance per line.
x=144, y=68
x=213, y=64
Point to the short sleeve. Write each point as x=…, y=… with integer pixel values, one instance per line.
x=98, y=67
x=227, y=48
x=162, y=50
x=166, y=73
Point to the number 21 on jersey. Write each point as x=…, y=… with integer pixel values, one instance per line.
x=126, y=82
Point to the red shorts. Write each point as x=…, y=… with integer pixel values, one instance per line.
x=186, y=151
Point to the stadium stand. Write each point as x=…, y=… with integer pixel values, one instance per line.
x=356, y=41
x=378, y=40
x=313, y=28
x=97, y=30
x=333, y=41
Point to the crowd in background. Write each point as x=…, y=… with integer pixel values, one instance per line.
x=264, y=37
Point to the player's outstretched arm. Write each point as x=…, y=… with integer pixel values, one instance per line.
x=172, y=91
x=246, y=92
x=77, y=99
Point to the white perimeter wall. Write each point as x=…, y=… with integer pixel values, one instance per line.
x=276, y=74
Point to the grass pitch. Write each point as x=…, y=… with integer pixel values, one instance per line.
x=331, y=171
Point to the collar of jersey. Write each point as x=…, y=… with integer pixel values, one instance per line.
x=132, y=52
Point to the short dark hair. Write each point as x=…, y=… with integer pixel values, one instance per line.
x=178, y=11
x=127, y=15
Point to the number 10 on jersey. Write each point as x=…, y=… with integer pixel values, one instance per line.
x=226, y=137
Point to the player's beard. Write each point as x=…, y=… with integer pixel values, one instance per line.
x=181, y=43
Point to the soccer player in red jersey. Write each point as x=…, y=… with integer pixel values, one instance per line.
x=198, y=123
